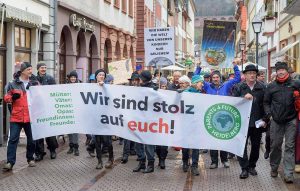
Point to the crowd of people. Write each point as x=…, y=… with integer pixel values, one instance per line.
x=274, y=110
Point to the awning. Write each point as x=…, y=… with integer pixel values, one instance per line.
x=293, y=8
x=173, y=67
x=285, y=49
x=21, y=15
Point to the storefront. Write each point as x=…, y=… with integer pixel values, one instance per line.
x=20, y=38
x=79, y=41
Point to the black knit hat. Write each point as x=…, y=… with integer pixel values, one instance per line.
x=98, y=71
x=250, y=67
x=281, y=65
x=24, y=66
x=73, y=73
x=134, y=76
x=146, y=76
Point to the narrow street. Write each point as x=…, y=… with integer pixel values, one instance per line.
x=69, y=172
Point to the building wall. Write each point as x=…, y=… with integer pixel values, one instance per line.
x=10, y=51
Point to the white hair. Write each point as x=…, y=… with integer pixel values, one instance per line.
x=184, y=79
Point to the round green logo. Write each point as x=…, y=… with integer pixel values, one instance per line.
x=222, y=121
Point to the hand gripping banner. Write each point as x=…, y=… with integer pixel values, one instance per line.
x=143, y=115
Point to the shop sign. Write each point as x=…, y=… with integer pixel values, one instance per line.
x=82, y=23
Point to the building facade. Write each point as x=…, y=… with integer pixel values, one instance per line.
x=92, y=36
x=27, y=30
x=167, y=13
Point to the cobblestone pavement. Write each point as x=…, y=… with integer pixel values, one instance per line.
x=69, y=172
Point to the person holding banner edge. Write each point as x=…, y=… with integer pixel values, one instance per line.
x=196, y=87
x=252, y=89
x=73, y=138
x=142, y=149
x=103, y=140
x=216, y=87
x=17, y=95
x=52, y=145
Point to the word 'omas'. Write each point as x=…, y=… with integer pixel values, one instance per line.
x=142, y=105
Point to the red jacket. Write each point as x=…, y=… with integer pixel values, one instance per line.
x=20, y=112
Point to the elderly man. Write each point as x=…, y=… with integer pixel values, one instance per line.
x=279, y=105
x=175, y=85
x=251, y=89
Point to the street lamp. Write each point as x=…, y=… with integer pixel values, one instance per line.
x=242, y=48
x=257, y=29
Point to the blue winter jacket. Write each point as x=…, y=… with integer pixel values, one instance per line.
x=225, y=88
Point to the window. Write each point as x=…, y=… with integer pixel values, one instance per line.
x=41, y=52
x=3, y=35
x=22, y=37
x=130, y=7
x=17, y=36
x=124, y=6
x=22, y=46
x=19, y=58
x=117, y=3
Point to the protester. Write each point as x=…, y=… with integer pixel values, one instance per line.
x=196, y=87
x=74, y=137
x=162, y=151
x=156, y=76
x=175, y=84
x=184, y=83
x=279, y=107
x=293, y=74
x=145, y=81
x=45, y=79
x=261, y=77
x=252, y=89
x=103, y=140
x=216, y=87
x=16, y=94
x=129, y=146
x=207, y=77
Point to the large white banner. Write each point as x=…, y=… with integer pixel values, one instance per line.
x=143, y=115
x=159, y=46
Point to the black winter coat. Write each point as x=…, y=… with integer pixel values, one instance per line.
x=279, y=100
x=258, y=91
x=45, y=80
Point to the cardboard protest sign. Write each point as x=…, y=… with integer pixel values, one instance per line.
x=159, y=46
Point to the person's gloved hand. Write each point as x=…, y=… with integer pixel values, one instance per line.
x=180, y=91
x=16, y=96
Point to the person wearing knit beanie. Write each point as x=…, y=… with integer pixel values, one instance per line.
x=163, y=83
x=100, y=76
x=24, y=66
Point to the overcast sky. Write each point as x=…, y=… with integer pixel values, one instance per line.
x=215, y=7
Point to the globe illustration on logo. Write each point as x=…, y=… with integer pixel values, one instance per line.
x=222, y=121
